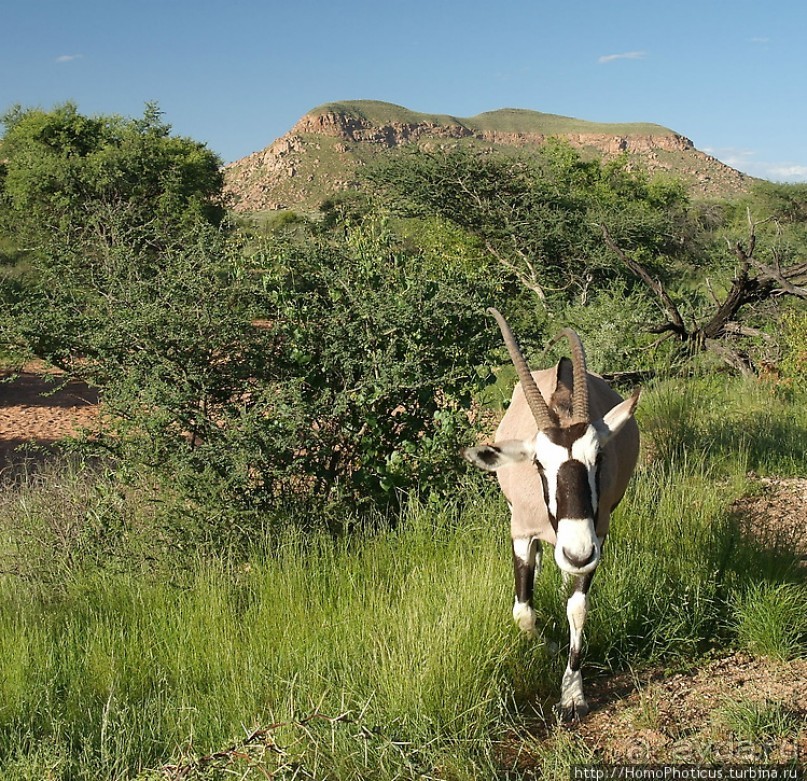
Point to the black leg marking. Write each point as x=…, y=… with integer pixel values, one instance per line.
x=582, y=584
x=525, y=563
x=573, y=703
x=524, y=573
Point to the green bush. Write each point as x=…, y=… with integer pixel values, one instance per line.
x=382, y=348
x=332, y=369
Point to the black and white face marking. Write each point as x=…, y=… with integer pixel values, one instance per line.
x=568, y=460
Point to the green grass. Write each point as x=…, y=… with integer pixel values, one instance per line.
x=771, y=619
x=731, y=423
x=117, y=658
x=758, y=723
x=407, y=631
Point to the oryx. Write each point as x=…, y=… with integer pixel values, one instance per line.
x=563, y=453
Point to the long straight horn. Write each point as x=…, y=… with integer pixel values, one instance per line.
x=534, y=398
x=580, y=396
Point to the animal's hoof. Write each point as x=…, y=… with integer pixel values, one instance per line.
x=524, y=616
x=570, y=711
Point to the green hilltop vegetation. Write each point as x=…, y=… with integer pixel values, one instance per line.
x=380, y=112
x=504, y=120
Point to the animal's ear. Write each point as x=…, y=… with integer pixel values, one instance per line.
x=493, y=457
x=613, y=421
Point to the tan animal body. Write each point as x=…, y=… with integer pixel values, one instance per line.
x=564, y=453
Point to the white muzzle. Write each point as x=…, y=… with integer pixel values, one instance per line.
x=577, y=550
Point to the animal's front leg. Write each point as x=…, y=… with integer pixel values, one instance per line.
x=573, y=703
x=526, y=561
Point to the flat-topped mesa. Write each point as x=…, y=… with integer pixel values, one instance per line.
x=324, y=151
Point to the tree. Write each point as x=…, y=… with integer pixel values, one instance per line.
x=567, y=228
x=754, y=281
x=536, y=213
x=64, y=173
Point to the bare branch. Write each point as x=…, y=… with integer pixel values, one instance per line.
x=784, y=278
x=733, y=358
x=712, y=292
x=743, y=330
x=675, y=321
x=530, y=282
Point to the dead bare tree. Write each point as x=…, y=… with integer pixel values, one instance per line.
x=754, y=282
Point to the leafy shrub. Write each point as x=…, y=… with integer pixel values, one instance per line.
x=382, y=348
x=332, y=369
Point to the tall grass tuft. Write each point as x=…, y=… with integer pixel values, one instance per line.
x=771, y=619
x=758, y=723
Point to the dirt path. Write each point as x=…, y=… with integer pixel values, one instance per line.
x=37, y=408
x=734, y=710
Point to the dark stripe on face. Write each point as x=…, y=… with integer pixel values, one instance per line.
x=598, y=469
x=566, y=437
x=574, y=491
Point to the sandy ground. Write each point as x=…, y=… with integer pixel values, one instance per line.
x=37, y=409
x=778, y=512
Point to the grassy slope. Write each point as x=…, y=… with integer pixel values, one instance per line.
x=405, y=634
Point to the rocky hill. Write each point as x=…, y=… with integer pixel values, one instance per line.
x=322, y=153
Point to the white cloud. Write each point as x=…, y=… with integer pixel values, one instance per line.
x=68, y=57
x=623, y=56
x=785, y=172
x=745, y=160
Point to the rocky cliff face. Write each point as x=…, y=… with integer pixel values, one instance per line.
x=361, y=130
x=396, y=133
x=322, y=152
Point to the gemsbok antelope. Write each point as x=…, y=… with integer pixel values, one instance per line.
x=563, y=453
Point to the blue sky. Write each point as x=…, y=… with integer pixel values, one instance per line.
x=238, y=74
